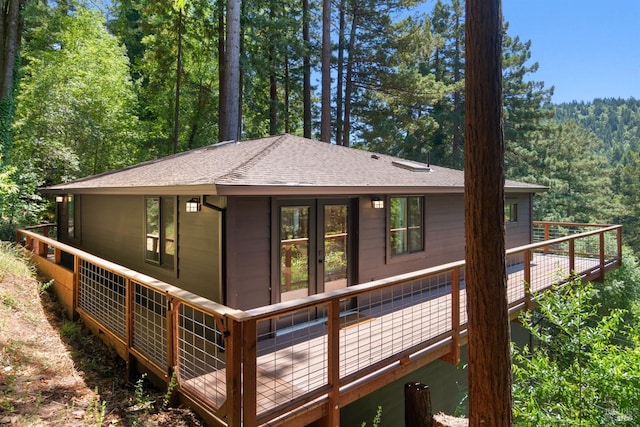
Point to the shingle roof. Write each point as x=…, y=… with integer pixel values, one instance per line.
x=284, y=164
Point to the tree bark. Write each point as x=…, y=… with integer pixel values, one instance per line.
x=348, y=90
x=485, y=275
x=176, y=113
x=273, y=81
x=325, y=116
x=221, y=66
x=10, y=33
x=340, y=70
x=307, y=70
x=230, y=90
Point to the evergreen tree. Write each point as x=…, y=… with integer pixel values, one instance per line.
x=73, y=118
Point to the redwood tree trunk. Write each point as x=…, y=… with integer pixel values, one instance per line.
x=307, y=70
x=325, y=109
x=10, y=33
x=230, y=88
x=485, y=275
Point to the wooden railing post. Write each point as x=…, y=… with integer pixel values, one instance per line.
x=454, y=356
x=42, y=248
x=602, y=256
x=572, y=257
x=527, y=278
x=76, y=286
x=172, y=322
x=128, y=308
x=333, y=359
x=547, y=235
x=619, y=244
x=249, y=373
x=233, y=349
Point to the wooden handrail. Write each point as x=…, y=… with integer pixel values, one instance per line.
x=240, y=327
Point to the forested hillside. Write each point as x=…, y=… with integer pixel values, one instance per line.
x=93, y=89
x=616, y=123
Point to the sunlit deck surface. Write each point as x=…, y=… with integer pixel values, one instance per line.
x=292, y=361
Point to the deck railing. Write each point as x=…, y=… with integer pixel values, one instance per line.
x=300, y=361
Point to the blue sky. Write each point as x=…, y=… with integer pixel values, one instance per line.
x=586, y=49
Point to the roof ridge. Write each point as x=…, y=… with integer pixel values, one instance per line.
x=277, y=140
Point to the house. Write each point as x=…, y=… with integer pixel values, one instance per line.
x=256, y=222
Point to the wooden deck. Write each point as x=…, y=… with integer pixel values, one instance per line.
x=259, y=367
x=290, y=367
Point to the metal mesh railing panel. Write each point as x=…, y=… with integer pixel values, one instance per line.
x=292, y=357
x=396, y=319
x=150, y=324
x=201, y=355
x=102, y=294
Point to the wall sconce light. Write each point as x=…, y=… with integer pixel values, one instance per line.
x=193, y=205
x=377, y=203
x=59, y=199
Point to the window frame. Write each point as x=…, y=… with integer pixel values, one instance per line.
x=409, y=254
x=163, y=258
x=510, y=211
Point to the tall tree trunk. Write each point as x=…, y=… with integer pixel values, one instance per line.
x=273, y=83
x=229, y=130
x=306, y=89
x=10, y=31
x=221, y=67
x=325, y=116
x=340, y=73
x=485, y=274
x=457, y=141
x=287, y=95
x=348, y=90
x=176, y=115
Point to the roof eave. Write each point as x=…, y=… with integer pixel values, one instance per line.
x=174, y=190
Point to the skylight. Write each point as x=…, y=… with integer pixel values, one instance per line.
x=412, y=166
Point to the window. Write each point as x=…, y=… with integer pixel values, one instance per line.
x=71, y=217
x=510, y=212
x=160, y=236
x=406, y=225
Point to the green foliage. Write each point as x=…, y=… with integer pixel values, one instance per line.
x=616, y=122
x=376, y=419
x=73, y=118
x=166, y=400
x=13, y=261
x=583, y=369
x=577, y=177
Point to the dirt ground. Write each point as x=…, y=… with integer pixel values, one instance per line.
x=53, y=373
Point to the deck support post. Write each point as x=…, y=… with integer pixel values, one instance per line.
x=332, y=418
x=417, y=405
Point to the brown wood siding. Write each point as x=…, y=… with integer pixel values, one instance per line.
x=248, y=252
x=519, y=233
x=444, y=238
x=113, y=228
x=200, y=251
